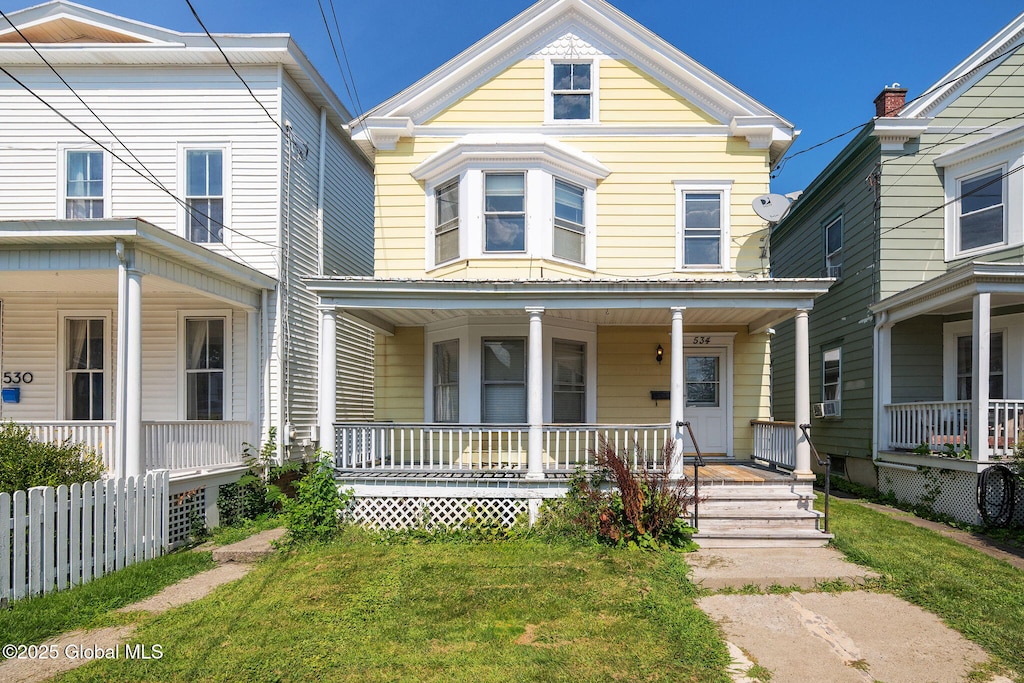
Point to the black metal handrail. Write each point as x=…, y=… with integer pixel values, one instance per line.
x=826, y=463
x=698, y=461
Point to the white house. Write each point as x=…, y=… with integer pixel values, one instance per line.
x=158, y=212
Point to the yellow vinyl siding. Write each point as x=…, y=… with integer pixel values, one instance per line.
x=513, y=97
x=625, y=89
x=398, y=371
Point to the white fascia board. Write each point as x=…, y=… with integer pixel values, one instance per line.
x=987, y=145
x=893, y=132
x=51, y=11
x=950, y=287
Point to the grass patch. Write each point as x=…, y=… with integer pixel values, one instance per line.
x=225, y=535
x=977, y=595
x=35, y=619
x=519, y=610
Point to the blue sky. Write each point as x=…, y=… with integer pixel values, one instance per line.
x=817, y=63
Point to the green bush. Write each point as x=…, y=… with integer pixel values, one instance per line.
x=317, y=511
x=25, y=462
x=257, y=492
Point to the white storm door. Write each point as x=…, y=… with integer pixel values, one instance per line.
x=708, y=406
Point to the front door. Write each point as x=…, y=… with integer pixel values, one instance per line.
x=707, y=400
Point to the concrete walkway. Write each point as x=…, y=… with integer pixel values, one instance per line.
x=856, y=636
x=77, y=648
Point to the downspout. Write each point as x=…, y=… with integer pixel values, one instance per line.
x=876, y=391
x=321, y=172
x=266, y=346
x=282, y=276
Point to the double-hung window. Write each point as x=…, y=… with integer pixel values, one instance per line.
x=204, y=194
x=84, y=189
x=834, y=248
x=702, y=229
x=570, y=229
x=446, y=228
x=504, y=381
x=446, y=381
x=831, y=373
x=504, y=212
x=84, y=391
x=205, y=351
x=568, y=381
x=965, y=367
x=980, y=214
x=571, y=94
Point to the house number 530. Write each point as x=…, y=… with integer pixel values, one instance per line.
x=701, y=341
x=17, y=377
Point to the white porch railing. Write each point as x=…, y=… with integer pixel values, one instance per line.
x=775, y=442
x=567, y=447
x=98, y=436
x=396, y=446
x=939, y=426
x=1006, y=426
x=188, y=445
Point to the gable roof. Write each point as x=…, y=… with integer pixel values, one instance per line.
x=547, y=21
x=67, y=33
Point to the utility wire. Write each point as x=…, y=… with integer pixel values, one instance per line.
x=337, y=58
x=344, y=52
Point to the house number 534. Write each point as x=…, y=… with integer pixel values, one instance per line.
x=17, y=377
x=701, y=341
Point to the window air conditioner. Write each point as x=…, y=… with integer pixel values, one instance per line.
x=826, y=409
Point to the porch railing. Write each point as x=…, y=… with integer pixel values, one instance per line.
x=98, y=436
x=422, y=446
x=775, y=443
x=1006, y=426
x=937, y=426
x=188, y=445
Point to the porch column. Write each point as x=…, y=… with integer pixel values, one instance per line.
x=981, y=342
x=535, y=395
x=883, y=383
x=328, y=407
x=677, y=392
x=129, y=370
x=802, y=397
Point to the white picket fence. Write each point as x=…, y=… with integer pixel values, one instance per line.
x=56, y=538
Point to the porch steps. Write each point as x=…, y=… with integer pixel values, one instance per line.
x=763, y=515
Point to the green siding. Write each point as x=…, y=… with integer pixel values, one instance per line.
x=917, y=360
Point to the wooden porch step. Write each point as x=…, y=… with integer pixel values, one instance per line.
x=763, y=538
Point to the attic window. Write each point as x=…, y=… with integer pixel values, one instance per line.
x=571, y=94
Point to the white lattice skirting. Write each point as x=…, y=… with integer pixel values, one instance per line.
x=184, y=507
x=949, y=492
x=382, y=512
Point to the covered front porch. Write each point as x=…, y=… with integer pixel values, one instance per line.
x=143, y=346
x=527, y=378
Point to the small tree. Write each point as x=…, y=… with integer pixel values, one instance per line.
x=316, y=513
x=26, y=462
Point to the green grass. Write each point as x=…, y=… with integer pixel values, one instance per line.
x=34, y=619
x=979, y=596
x=225, y=535
x=511, y=611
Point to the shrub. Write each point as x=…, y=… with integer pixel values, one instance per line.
x=25, y=462
x=316, y=513
x=258, y=491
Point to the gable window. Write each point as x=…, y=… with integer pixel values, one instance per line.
x=84, y=189
x=204, y=194
x=84, y=374
x=570, y=91
x=980, y=217
x=504, y=212
x=834, y=249
x=568, y=381
x=831, y=372
x=504, y=381
x=570, y=230
x=446, y=381
x=446, y=230
x=205, y=352
x=965, y=367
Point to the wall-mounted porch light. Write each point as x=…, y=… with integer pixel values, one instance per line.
x=659, y=354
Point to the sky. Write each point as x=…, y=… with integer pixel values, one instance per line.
x=817, y=63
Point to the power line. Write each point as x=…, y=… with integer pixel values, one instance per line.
x=337, y=58
x=344, y=52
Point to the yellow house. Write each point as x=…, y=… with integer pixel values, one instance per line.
x=565, y=249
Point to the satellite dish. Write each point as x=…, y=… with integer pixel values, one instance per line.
x=771, y=207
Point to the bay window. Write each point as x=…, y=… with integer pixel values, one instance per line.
x=504, y=212
x=570, y=229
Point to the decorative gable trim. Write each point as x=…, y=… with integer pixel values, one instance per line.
x=893, y=132
x=979, y=148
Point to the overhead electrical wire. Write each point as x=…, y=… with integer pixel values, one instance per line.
x=344, y=53
x=337, y=58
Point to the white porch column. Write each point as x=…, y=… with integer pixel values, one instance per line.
x=328, y=406
x=535, y=395
x=883, y=383
x=677, y=393
x=802, y=398
x=981, y=351
x=131, y=371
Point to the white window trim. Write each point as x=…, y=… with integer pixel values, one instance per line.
x=839, y=381
x=595, y=91
x=225, y=314
x=225, y=148
x=109, y=358
x=471, y=336
x=62, y=180
x=529, y=209
x=1002, y=159
x=721, y=186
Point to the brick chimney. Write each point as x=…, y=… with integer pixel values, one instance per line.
x=890, y=100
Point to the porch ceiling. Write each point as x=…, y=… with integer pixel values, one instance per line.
x=93, y=281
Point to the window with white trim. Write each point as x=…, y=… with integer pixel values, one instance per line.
x=204, y=195
x=834, y=248
x=965, y=367
x=446, y=381
x=504, y=212
x=831, y=373
x=85, y=183
x=503, y=381
x=702, y=224
x=568, y=381
x=571, y=94
x=205, y=365
x=981, y=215
x=446, y=229
x=569, y=222
x=85, y=390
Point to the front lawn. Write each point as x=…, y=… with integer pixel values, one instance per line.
x=511, y=611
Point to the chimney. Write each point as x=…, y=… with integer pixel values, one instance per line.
x=890, y=100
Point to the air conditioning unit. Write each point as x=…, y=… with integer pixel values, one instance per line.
x=832, y=271
x=826, y=409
